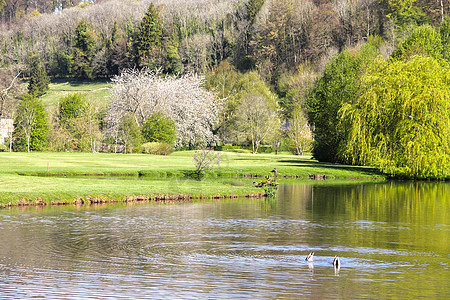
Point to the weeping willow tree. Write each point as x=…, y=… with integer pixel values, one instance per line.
x=401, y=122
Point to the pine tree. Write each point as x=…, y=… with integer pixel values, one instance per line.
x=149, y=36
x=84, y=43
x=39, y=80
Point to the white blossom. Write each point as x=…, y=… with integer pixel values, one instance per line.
x=184, y=99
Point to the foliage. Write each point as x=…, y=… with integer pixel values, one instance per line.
x=84, y=43
x=444, y=31
x=182, y=99
x=71, y=107
x=129, y=133
x=157, y=148
x=257, y=119
x=292, y=89
x=401, y=122
x=205, y=161
x=233, y=87
x=269, y=184
x=405, y=12
x=159, y=128
x=39, y=81
x=278, y=37
x=148, y=37
x=299, y=132
x=339, y=84
x=424, y=40
x=78, y=122
x=30, y=125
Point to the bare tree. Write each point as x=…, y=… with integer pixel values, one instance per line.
x=4, y=92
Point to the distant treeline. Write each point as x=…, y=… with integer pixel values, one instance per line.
x=89, y=40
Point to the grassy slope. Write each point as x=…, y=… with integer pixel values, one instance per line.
x=97, y=91
x=14, y=186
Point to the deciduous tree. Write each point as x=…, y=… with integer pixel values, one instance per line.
x=257, y=119
x=183, y=99
x=401, y=122
x=30, y=125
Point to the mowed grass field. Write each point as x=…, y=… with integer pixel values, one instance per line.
x=66, y=176
x=97, y=92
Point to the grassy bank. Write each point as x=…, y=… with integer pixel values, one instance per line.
x=72, y=175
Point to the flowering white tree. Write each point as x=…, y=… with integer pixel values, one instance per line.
x=143, y=93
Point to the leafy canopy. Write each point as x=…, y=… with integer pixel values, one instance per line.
x=159, y=128
x=401, y=122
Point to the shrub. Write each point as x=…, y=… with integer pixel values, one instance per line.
x=159, y=128
x=157, y=148
x=205, y=161
x=3, y=148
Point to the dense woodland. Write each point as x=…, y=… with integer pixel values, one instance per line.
x=356, y=81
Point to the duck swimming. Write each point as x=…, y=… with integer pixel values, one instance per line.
x=310, y=256
x=336, y=262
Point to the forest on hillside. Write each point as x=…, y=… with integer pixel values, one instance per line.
x=292, y=74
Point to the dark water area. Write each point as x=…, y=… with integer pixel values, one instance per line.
x=392, y=240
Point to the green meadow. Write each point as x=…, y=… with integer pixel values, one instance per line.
x=97, y=90
x=65, y=176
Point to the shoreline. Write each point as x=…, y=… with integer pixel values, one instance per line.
x=153, y=198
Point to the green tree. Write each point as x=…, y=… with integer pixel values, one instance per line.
x=39, y=80
x=148, y=39
x=159, y=128
x=129, y=133
x=299, y=132
x=339, y=84
x=30, y=125
x=257, y=119
x=84, y=44
x=401, y=123
x=444, y=31
x=233, y=86
x=71, y=107
x=424, y=40
x=405, y=12
x=173, y=65
x=79, y=121
x=292, y=89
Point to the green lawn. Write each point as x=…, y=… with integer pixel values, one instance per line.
x=67, y=174
x=97, y=91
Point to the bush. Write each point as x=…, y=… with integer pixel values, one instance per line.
x=3, y=148
x=159, y=128
x=157, y=148
x=205, y=161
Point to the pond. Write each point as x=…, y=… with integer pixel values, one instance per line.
x=392, y=240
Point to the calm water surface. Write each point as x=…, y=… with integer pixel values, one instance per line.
x=392, y=238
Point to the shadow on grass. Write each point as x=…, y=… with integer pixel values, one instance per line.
x=309, y=164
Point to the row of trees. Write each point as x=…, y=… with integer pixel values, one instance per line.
x=271, y=36
x=393, y=114
x=149, y=107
